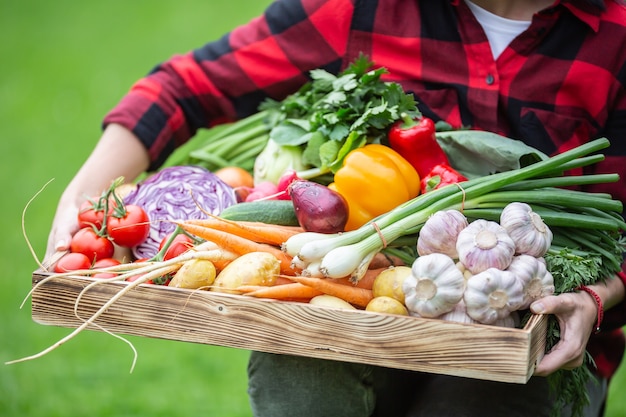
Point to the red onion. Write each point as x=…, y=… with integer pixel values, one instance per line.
x=318, y=208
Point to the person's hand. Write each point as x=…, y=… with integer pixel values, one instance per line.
x=576, y=314
x=118, y=154
x=64, y=225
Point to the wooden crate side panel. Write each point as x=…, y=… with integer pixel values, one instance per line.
x=538, y=327
x=483, y=352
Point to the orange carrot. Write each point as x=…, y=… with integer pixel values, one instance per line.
x=366, y=282
x=282, y=280
x=256, y=231
x=239, y=245
x=353, y=295
x=290, y=291
x=382, y=260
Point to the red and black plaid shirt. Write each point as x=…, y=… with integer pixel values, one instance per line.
x=557, y=85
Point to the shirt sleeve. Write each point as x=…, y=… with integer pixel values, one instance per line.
x=615, y=162
x=227, y=79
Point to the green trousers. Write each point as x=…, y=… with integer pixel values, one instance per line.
x=291, y=386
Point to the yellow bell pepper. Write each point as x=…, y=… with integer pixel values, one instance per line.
x=374, y=179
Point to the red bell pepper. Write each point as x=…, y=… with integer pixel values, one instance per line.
x=415, y=140
x=440, y=175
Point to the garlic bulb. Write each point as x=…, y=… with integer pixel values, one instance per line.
x=534, y=276
x=466, y=272
x=439, y=233
x=484, y=244
x=512, y=320
x=458, y=314
x=527, y=229
x=492, y=295
x=434, y=287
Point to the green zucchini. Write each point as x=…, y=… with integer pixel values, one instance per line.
x=280, y=212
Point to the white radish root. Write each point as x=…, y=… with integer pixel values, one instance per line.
x=147, y=270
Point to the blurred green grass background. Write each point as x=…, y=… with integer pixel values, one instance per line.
x=64, y=65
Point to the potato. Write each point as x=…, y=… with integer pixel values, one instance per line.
x=389, y=282
x=384, y=304
x=253, y=268
x=331, y=301
x=194, y=274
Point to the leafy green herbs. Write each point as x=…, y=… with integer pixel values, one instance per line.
x=582, y=263
x=328, y=117
x=332, y=115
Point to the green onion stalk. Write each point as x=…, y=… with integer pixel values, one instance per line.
x=234, y=144
x=344, y=252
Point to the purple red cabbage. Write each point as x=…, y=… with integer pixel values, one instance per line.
x=177, y=193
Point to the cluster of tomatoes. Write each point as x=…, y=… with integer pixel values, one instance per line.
x=104, y=222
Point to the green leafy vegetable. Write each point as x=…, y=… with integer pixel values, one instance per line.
x=327, y=117
x=478, y=153
x=332, y=115
x=234, y=144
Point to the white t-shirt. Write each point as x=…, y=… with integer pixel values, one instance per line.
x=500, y=31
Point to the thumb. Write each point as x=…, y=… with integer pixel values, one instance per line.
x=545, y=305
x=63, y=243
x=59, y=241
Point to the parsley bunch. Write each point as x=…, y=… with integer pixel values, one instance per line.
x=327, y=118
x=334, y=114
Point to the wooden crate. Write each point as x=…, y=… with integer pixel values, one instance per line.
x=428, y=345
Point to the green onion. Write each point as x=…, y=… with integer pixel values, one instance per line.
x=237, y=144
x=484, y=197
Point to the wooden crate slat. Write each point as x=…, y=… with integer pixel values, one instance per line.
x=476, y=351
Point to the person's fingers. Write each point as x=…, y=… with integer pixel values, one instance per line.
x=562, y=356
x=575, y=318
x=63, y=228
x=553, y=304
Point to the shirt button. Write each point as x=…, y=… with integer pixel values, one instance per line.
x=489, y=79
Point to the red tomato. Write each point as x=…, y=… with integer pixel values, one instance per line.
x=89, y=243
x=135, y=277
x=130, y=230
x=72, y=262
x=104, y=275
x=91, y=213
x=179, y=245
x=103, y=263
